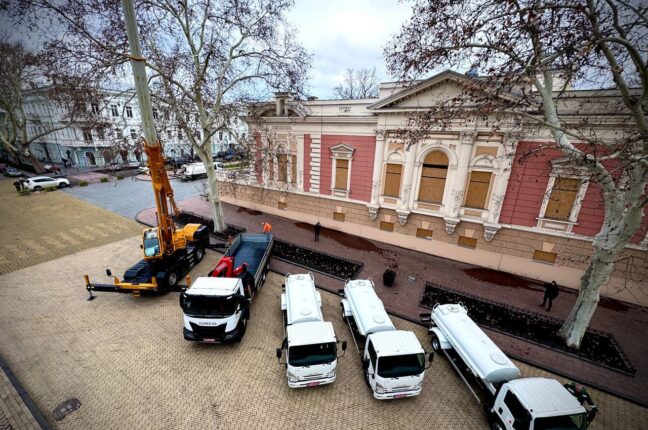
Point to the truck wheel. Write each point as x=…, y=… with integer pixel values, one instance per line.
x=172, y=279
x=200, y=253
x=366, y=378
x=497, y=424
x=242, y=328
x=436, y=344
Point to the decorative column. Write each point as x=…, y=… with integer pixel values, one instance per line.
x=300, y=162
x=466, y=141
x=403, y=210
x=374, y=205
x=492, y=226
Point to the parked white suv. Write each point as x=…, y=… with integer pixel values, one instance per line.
x=38, y=183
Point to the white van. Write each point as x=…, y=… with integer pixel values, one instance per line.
x=197, y=170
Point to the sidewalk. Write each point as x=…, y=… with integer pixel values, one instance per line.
x=17, y=411
x=626, y=322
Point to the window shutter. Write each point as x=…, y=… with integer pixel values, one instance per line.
x=341, y=174
x=478, y=190
x=393, y=180
x=561, y=199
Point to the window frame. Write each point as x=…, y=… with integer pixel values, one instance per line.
x=488, y=189
x=341, y=152
x=565, y=226
x=423, y=165
x=129, y=111
x=385, y=176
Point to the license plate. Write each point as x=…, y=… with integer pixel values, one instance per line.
x=209, y=339
x=398, y=396
x=312, y=384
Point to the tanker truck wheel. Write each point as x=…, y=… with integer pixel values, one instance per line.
x=436, y=344
x=497, y=424
x=200, y=253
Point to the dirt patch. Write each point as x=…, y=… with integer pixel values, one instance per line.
x=500, y=278
x=248, y=211
x=353, y=242
x=613, y=305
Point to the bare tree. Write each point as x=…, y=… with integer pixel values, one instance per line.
x=530, y=52
x=27, y=75
x=357, y=84
x=207, y=58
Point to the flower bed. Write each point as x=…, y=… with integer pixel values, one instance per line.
x=597, y=347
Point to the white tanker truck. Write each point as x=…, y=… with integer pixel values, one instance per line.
x=393, y=360
x=510, y=403
x=309, y=341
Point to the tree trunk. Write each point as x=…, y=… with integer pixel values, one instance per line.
x=596, y=275
x=38, y=167
x=212, y=191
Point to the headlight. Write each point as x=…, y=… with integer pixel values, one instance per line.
x=292, y=377
x=380, y=389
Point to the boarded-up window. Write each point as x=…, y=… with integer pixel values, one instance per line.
x=293, y=169
x=561, y=199
x=467, y=242
x=387, y=226
x=338, y=216
x=478, y=190
x=433, y=177
x=423, y=233
x=282, y=205
x=393, y=180
x=283, y=167
x=341, y=174
x=544, y=256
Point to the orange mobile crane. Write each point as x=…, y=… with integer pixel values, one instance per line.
x=169, y=252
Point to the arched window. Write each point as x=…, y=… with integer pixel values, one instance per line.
x=90, y=159
x=433, y=177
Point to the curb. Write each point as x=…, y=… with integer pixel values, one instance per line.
x=36, y=413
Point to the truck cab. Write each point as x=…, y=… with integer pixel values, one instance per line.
x=537, y=404
x=310, y=343
x=394, y=364
x=214, y=310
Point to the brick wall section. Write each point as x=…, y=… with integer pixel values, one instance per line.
x=527, y=187
x=571, y=252
x=307, y=162
x=361, y=167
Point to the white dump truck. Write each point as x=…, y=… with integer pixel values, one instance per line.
x=510, y=403
x=309, y=343
x=194, y=171
x=393, y=360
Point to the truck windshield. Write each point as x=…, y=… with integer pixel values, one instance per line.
x=310, y=355
x=565, y=422
x=210, y=306
x=401, y=365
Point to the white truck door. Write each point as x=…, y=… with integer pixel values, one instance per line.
x=514, y=416
x=373, y=361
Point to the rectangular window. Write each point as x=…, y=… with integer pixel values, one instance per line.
x=341, y=174
x=95, y=108
x=293, y=169
x=198, y=135
x=478, y=190
x=113, y=110
x=129, y=111
x=282, y=205
x=393, y=180
x=544, y=257
x=220, y=135
x=467, y=242
x=562, y=197
x=387, y=226
x=179, y=134
x=87, y=135
x=338, y=216
x=283, y=167
x=432, y=184
x=133, y=133
x=423, y=233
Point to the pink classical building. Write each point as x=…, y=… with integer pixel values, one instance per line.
x=463, y=193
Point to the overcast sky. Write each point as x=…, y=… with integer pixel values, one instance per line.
x=345, y=34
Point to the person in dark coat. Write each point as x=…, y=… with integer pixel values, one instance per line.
x=583, y=398
x=318, y=229
x=248, y=281
x=551, y=292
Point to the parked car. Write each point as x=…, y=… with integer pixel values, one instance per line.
x=13, y=172
x=144, y=169
x=37, y=183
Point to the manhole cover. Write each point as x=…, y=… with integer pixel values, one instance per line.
x=65, y=408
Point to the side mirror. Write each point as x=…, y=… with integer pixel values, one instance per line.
x=426, y=317
x=279, y=353
x=430, y=359
x=183, y=300
x=108, y=272
x=344, y=345
x=341, y=293
x=365, y=364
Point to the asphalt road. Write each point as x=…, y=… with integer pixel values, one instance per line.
x=129, y=196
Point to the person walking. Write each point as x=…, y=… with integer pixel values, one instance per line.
x=318, y=229
x=267, y=228
x=551, y=292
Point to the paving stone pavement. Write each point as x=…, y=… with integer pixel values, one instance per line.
x=126, y=361
x=47, y=225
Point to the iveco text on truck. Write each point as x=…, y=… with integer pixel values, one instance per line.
x=309, y=341
x=511, y=403
x=217, y=308
x=393, y=360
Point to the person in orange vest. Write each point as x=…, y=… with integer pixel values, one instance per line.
x=267, y=228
